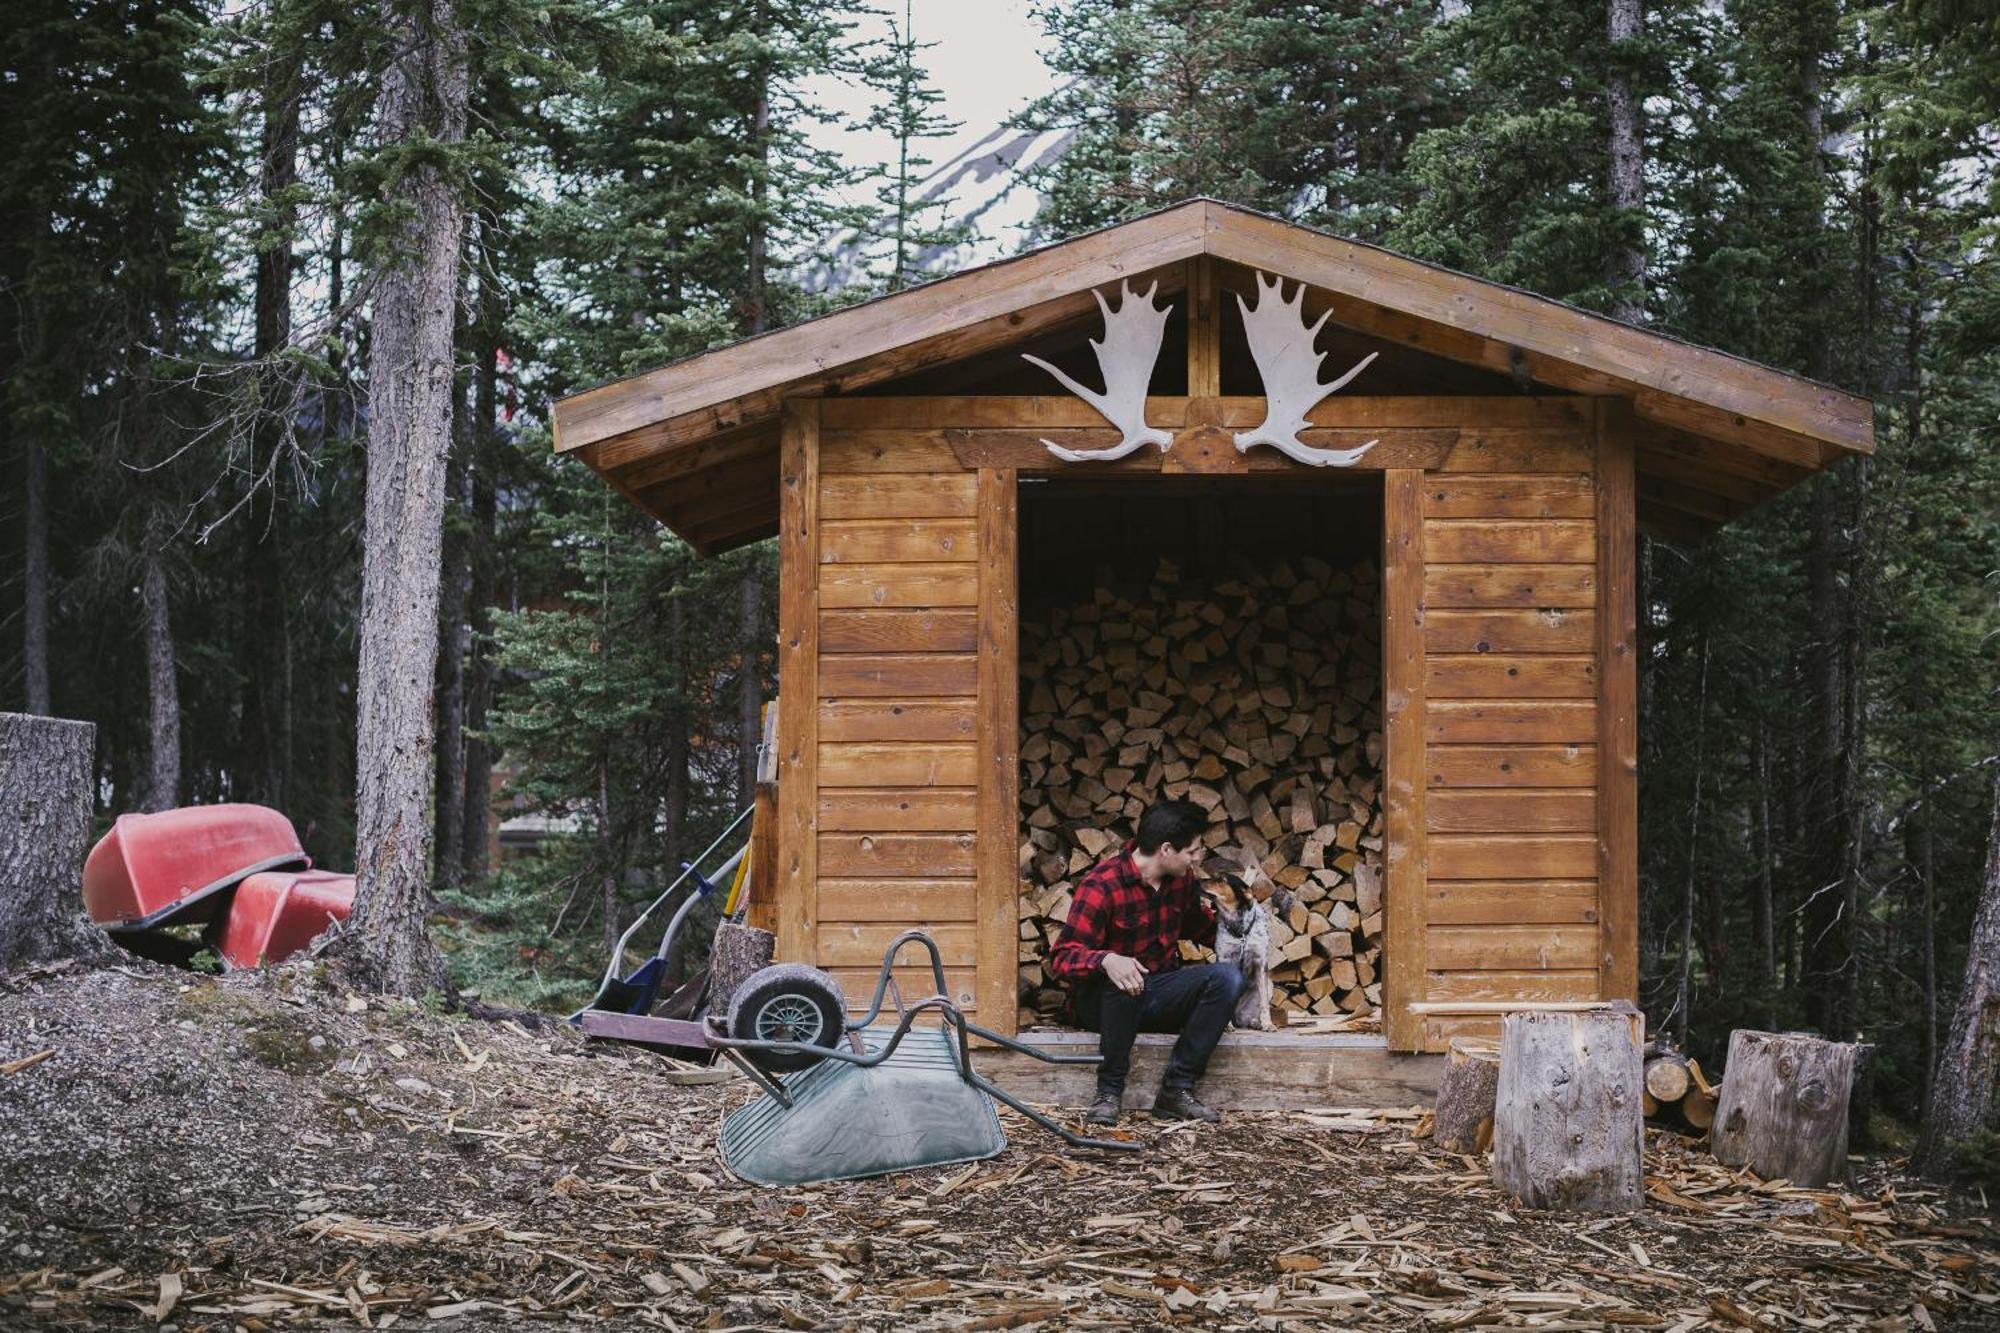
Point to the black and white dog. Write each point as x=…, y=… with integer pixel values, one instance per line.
x=1243, y=941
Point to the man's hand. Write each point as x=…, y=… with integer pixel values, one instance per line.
x=1127, y=974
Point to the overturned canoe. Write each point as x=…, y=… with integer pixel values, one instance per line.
x=277, y=913
x=178, y=866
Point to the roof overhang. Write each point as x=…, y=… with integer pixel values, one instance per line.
x=695, y=443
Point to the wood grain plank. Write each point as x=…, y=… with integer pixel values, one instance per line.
x=1403, y=754
x=924, y=630
x=896, y=764
x=1515, y=541
x=1618, y=706
x=1533, y=947
x=861, y=944
x=1497, y=676
x=1052, y=411
x=897, y=720
x=998, y=745
x=1510, y=585
x=897, y=899
x=896, y=495
x=1497, y=811
x=877, y=541
x=898, y=809
x=1516, y=630
x=1529, y=721
x=886, y=675
x=798, y=688
x=1511, y=856
x=914, y=585
x=858, y=983
x=1458, y=902
x=1509, y=495
x=1478, y=766
x=860, y=452
x=1566, y=984
x=896, y=855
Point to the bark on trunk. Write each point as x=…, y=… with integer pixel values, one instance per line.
x=1962, y=1087
x=479, y=597
x=737, y=954
x=1463, y=1119
x=677, y=746
x=1626, y=264
x=1567, y=1128
x=163, y=695
x=749, y=685
x=1784, y=1106
x=452, y=622
x=46, y=778
x=35, y=581
x=423, y=97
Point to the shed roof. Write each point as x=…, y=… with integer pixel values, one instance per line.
x=695, y=443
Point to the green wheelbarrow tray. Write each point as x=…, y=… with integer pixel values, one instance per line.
x=895, y=1099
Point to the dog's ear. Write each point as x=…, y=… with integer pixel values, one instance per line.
x=1281, y=899
x=1239, y=892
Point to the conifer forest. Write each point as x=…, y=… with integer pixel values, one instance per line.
x=233, y=235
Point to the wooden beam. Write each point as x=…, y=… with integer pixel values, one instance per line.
x=998, y=746
x=798, y=684
x=1204, y=330
x=1403, y=944
x=1617, y=708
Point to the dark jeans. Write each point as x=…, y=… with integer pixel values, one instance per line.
x=1194, y=1001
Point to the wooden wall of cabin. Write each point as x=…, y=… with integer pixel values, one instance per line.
x=896, y=588
x=1511, y=700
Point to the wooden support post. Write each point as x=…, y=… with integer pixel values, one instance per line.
x=1568, y=1133
x=1463, y=1120
x=1784, y=1106
x=999, y=800
x=1204, y=330
x=797, y=888
x=45, y=785
x=1403, y=760
x=1617, y=706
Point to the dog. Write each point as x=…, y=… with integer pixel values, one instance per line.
x=1243, y=941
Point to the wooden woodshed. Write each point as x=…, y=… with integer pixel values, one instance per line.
x=901, y=450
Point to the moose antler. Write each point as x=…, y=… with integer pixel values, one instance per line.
x=1282, y=344
x=1125, y=357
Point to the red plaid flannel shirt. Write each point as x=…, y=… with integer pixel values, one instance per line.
x=1113, y=911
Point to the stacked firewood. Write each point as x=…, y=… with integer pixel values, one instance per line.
x=1256, y=696
x=1677, y=1089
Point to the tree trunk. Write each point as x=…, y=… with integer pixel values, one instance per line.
x=1962, y=1087
x=449, y=808
x=677, y=744
x=749, y=684
x=1626, y=264
x=35, y=580
x=479, y=597
x=1463, y=1119
x=1784, y=1106
x=1567, y=1128
x=423, y=99
x=46, y=779
x=738, y=952
x=163, y=694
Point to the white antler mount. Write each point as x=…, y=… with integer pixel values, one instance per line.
x=1125, y=356
x=1281, y=342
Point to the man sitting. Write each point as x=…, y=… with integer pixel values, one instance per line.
x=1120, y=954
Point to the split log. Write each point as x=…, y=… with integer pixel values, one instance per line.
x=1463, y=1120
x=1258, y=697
x=1567, y=1129
x=45, y=786
x=738, y=952
x=1783, y=1110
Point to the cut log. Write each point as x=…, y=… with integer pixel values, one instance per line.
x=1667, y=1078
x=738, y=952
x=1463, y=1120
x=1783, y=1110
x=1568, y=1133
x=45, y=785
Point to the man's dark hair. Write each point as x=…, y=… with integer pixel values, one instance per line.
x=1175, y=822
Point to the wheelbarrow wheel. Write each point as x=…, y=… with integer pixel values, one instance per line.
x=788, y=1002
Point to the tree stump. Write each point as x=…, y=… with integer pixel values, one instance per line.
x=1784, y=1106
x=737, y=952
x=1567, y=1130
x=1463, y=1120
x=45, y=783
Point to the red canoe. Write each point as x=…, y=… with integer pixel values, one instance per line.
x=277, y=913
x=179, y=865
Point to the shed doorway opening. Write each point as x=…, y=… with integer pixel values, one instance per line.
x=1218, y=639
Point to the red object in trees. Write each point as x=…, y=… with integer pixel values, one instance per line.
x=278, y=913
x=179, y=865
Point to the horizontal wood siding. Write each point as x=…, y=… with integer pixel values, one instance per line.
x=898, y=769
x=1511, y=813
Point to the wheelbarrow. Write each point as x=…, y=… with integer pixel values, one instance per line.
x=845, y=1099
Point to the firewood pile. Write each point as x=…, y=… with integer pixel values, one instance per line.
x=1258, y=697
x=1676, y=1088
